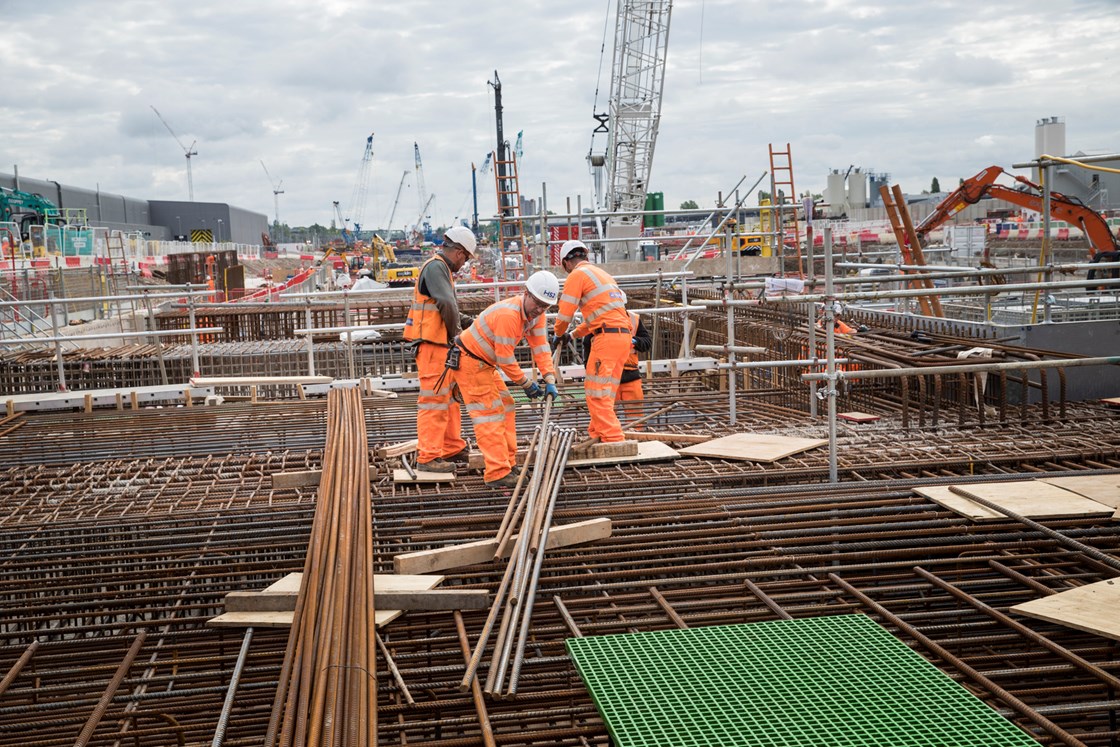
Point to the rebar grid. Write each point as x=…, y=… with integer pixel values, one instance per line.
x=98, y=549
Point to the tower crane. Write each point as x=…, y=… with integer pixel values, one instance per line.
x=188, y=152
x=276, y=192
x=421, y=189
x=393, y=212
x=637, y=82
x=361, y=187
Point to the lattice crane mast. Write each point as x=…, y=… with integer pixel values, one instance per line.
x=361, y=187
x=637, y=81
x=276, y=192
x=393, y=212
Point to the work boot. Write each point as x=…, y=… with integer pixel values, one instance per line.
x=462, y=456
x=507, y=481
x=436, y=465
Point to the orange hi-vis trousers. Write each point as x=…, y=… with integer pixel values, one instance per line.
x=609, y=352
x=438, y=420
x=492, y=412
x=632, y=397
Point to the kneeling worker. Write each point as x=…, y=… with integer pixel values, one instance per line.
x=487, y=346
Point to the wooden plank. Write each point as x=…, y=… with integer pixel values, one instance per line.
x=1091, y=608
x=285, y=480
x=1029, y=498
x=681, y=438
x=605, y=451
x=753, y=447
x=381, y=582
x=482, y=551
x=381, y=618
x=401, y=475
x=857, y=417
x=1114, y=401
x=1100, y=488
x=396, y=450
x=205, y=381
x=426, y=600
x=648, y=451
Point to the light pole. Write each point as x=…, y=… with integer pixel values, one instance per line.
x=179, y=222
x=219, y=230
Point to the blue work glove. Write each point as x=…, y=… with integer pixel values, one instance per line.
x=532, y=390
x=551, y=391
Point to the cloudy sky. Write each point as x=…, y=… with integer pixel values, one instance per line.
x=911, y=88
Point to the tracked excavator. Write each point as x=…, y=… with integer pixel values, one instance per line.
x=1103, y=245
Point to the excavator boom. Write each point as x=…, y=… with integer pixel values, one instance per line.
x=1063, y=208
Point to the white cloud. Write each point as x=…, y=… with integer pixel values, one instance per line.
x=913, y=89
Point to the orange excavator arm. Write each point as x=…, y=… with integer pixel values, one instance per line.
x=1064, y=208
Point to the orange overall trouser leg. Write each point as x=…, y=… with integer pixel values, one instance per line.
x=438, y=420
x=632, y=397
x=492, y=412
x=604, y=368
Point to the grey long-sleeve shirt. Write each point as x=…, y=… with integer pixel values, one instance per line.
x=435, y=282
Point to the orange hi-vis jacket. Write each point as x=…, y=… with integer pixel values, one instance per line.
x=597, y=296
x=496, y=332
x=424, y=321
x=584, y=329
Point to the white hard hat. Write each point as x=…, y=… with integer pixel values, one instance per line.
x=544, y=287
x=571, y=246
x=462, y=236
x=364, y=271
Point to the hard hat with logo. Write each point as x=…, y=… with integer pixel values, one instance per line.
x=462, y=236
x=544, y=287
x=572, y=246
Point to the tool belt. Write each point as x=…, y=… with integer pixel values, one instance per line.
x=460, y=346
x=612, y=330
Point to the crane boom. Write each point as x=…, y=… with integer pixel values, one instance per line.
x=637, y=82
x=422, y=190
x=276, y=192
x=393, y=212
x=188, y=152
x=361, y=187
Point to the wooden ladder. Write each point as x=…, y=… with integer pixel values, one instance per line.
x=781, y=179
x=511, y=226
x=910, y=247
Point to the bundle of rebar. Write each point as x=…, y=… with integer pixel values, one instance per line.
x=327, y=694
x=532, y=510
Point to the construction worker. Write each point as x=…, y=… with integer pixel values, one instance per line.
x=630, y=383
x=433, y=321
x=603, y=306
x=487, y=348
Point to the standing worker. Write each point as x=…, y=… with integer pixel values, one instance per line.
x=433, y=321
x=603, y=306
x=630, y=383
x=487, y=346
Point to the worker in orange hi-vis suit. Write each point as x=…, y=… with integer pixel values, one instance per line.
x=603, y=306
x=630, y=392
x=433, y=321
x=487, y=348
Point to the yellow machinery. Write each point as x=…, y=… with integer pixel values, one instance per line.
x=386, y=269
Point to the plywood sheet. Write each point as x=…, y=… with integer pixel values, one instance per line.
x=1100, y=488
x=648, y=451
x=753, y=447
x=857, y=417
x=1030, y=498
x=1091, y=608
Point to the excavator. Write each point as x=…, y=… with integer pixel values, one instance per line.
x=386, y=269
x=1103, y=246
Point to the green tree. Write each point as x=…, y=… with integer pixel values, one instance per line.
x=935, y=186
x=689, y=205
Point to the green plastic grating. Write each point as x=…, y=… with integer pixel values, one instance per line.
x=841, y=681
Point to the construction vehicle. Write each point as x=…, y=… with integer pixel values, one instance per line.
x=386, y=268
x=26, y=209
x=1069, y=209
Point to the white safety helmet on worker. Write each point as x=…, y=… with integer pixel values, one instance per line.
x=462, y=236
x=572, y=246
x=544, y=287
